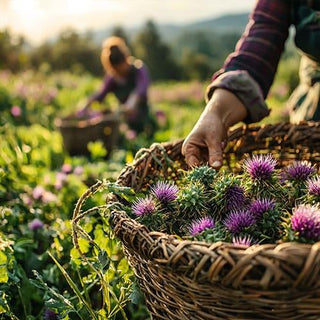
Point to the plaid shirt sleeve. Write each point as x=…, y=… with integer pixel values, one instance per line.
x=256, y=57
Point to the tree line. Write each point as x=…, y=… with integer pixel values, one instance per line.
x=193, y=55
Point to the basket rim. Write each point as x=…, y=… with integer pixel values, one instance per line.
x=167, y=249
x=63, y=123
x=165, y=145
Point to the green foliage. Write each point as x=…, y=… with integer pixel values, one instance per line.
x=32, y=156
x=203, y=174
x=149, y=47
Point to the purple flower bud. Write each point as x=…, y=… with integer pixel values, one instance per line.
x=200, y=225
x=49, y=197
x=238, y=220
x=235, y=198
x=144, y=206
x=314, y=186
x=306, y=220
x=61, y=177
x=131, y=134
x=16, y=111
x=260, y=206
x=50, y=315
x=260, y=166
x=165, y=192
x=299, y=170
x=78, y=170
x=38, y=192
x=242, y=241
x=35, y=224
x=66, y=168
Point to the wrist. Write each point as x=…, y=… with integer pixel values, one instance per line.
x=227, y=106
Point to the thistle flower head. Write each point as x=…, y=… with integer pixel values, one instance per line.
x=144, y=206
x=200, y=225
x=313, y=185
x=242, y=241
x=192, y=198
x=16, y=111
x=237, y=221
x=260, y=206
x=165, y=192
x=260, y=166
x=38, y=192
x=203, y=174
x=35, y=224
x=66, y=168
x=299, y=170
x=306, y=220
x=235, y=198
x=50, y=315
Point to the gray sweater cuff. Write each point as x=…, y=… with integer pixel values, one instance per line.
x=241, y=84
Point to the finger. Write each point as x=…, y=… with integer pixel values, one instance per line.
x=192, y=161
x=215, y=153
x=191, y=153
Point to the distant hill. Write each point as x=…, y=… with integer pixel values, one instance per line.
x=226, y=23
x=231, y=23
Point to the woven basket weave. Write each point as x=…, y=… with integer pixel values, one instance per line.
x=197, y=280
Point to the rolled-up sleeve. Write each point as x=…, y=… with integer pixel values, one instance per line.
x=249, y=71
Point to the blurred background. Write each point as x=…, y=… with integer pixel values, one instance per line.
x=49, y=67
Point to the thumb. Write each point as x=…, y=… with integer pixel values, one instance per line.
x=215, y=152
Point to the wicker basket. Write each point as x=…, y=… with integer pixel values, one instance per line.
x=200, y=281
x=78, y=133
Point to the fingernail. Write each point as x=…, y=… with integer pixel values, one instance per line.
x=216, y=164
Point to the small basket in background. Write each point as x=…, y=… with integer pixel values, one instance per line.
x=77, y=133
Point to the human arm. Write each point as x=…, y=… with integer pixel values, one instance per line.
x=249, y=71
x=106, y=87
x=245, y=80
x=141, y=89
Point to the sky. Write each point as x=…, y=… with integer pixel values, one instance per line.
x=38, y=20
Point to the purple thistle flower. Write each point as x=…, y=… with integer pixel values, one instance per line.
x=238, y=220
x=144, y=206
x=50, y=315
x=35, y=224
x=299, y=170
x=78, y=170
x=38, y=192
x=260, y=206
x=242, y=241
x=260, y=166
x=16, y=111
x=306, y=220
x=66, y=168
x=49, y=197
x=200, y=225
x=235, y=198
x=165, y=192
x=314, y=186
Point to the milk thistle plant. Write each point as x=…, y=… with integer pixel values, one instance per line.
x=258, y=205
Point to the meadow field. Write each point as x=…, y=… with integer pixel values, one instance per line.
x=42, y=275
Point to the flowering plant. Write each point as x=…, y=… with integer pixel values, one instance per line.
x=262, y=204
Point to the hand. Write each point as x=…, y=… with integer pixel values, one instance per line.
x=205, y=142
x=84, y=111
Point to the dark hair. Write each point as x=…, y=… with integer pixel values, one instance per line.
x=116, y=56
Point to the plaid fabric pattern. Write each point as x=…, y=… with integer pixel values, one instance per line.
x=259, y=49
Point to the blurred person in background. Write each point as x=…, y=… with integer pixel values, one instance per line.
x=238, y=90
x=129, y=80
